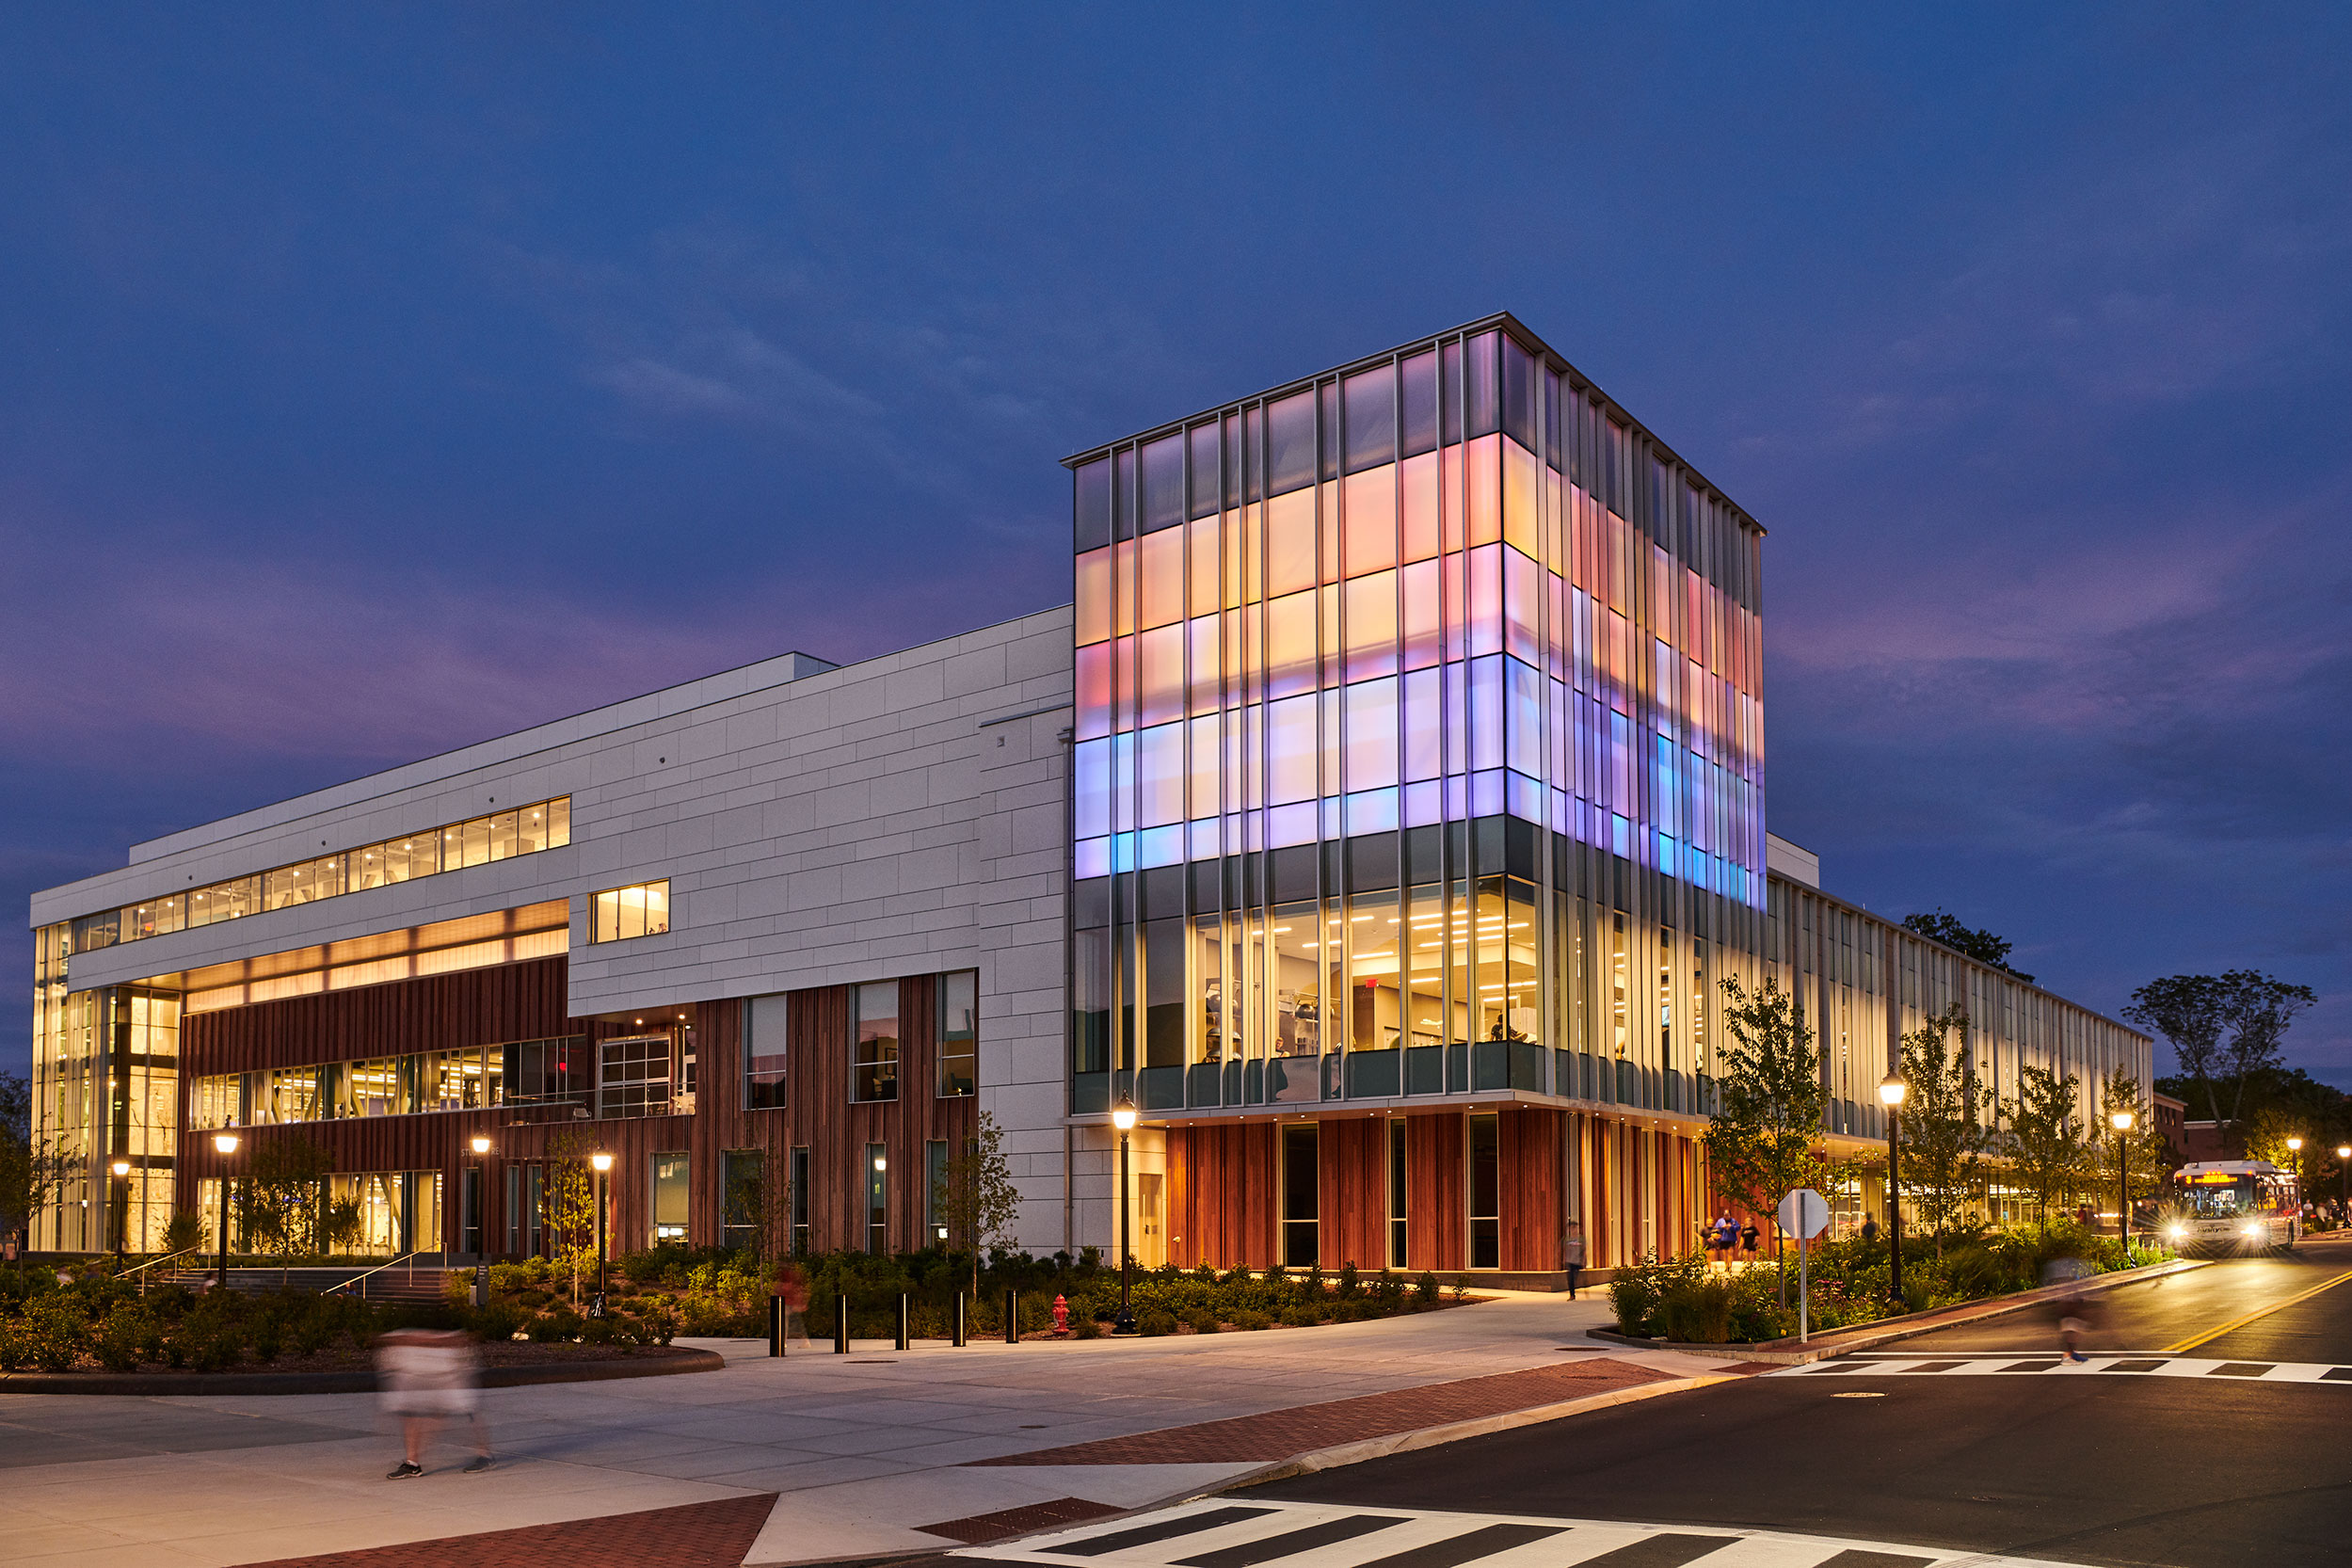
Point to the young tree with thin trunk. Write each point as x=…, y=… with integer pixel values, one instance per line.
x=1765, y=1138
x=2143, y=1147
x=1945, y=1135
x=2043, y=1139
x=567, y=1205
x=976, y=1196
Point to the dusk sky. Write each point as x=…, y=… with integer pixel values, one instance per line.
x=378, y=379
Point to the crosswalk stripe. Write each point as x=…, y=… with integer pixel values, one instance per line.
x=1249, y=1554
x=1320, y=1535
x=1660, y=1551
x=2131, y=1365
x=1469, y=1547
x=1144, y=1535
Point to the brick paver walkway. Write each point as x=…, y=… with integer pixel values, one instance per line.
x=697, y=1535
x=1280, y=1434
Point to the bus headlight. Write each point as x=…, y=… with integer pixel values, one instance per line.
x=2176, y=1233
x=2254, y=1230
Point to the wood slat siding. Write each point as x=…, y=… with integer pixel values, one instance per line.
x=1220, y=1194
x=1436, y=1173
x=472, y=1007
x=1533, y=1217
x=1353, y=1203
x=526, y=1001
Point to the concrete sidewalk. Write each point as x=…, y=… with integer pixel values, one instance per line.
x=858, y=1452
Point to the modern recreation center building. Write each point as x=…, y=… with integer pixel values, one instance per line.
x=1382, y=817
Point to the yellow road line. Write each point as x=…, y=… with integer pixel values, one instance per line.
x=2239, y=1322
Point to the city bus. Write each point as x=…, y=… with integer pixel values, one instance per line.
x=2235, y=1205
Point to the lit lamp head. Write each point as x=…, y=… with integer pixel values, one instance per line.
x=1891, y=1089
x=481, y=1145
x=2122, y=1121
x=602, y=1162
x=2343, y=1151
x=122, y=1167
x=881, y=1162
x=226, y=1143
x=2294, y=1145
x=1123, y=1116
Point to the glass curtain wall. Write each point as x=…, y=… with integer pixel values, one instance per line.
x=105, y=1087
x=1397, y=691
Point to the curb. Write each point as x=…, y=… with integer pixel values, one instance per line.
x=161, y=1384
x=1910, y=1327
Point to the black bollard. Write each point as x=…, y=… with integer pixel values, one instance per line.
x=775, y=1326
x=960, y=1300
x=841, y=1324
x=1011, y=1317
x=902, y=1320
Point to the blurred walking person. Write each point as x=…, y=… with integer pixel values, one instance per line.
x=429, y=1377
x=1572, y=1255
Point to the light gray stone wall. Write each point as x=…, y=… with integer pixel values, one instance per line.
x=817, y=826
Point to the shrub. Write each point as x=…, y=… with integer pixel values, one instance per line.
x=1205, y=1322
x=1085, y=1328
x=1158, y=1323
x=1250, y=1321
x=1425, y=1292
x=1302, y=1316
x=117, y=1342
x=1699, y=1314
x=558, y=1325
x=1638, y=1291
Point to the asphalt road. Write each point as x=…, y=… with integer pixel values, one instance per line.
x=2195, y=1472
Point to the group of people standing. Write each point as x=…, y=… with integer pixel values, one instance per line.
x=1728, y=1242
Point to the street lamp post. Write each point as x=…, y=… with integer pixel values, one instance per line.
x=2295, y=1158
x=1891, y=1091
x=603, y=1164
x=123, y=1176
x=2344, y=1170
x=2122, y=1121
x=1124, y=1119
x=225, y=1145
x=481, y=1220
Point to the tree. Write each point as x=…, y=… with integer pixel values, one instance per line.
x=975, y=1194
x=281, y=1196
x=2257, y=1012
x=567, y=1205
x=1983, y=946
x=2042, y=1140
x=1764, y=1139
x=2190, y=1012
x=2143, y=1147
x=1944, y=1136
x=33, y=1170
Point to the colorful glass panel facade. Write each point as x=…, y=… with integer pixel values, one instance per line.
x=1418, y=726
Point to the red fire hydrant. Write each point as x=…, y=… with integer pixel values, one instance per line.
x=1061, y=1315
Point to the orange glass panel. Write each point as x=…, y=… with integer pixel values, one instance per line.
x=1371, y=626
x=1290, y=645
x=1202, y=533
x=1420, y=506
x=1485, y=489
x=1163, y=685
x=1371, y=520
x=1520, y=474
x=1162, y=577
x=1094, y=595
x=1291, y=543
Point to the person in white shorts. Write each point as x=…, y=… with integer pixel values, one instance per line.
x=427, y=1377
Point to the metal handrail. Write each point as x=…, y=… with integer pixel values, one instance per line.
x=158, y=1262
x=410, y=1259
x=155, y=1262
